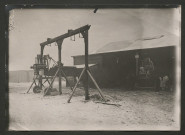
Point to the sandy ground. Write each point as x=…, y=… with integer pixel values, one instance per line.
x=139, y=110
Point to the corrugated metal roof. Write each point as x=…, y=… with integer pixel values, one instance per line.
x=144, y=43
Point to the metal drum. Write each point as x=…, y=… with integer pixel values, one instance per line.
x=41, y=72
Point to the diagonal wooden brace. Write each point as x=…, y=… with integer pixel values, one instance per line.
x=31, y=86
x=99, y=90
x=51, y=82
x=76, y=84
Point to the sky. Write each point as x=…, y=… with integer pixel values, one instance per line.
x=34, y=26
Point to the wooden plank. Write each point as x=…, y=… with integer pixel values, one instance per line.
x=118, y=105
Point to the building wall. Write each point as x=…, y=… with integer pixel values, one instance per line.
x=93, y=59
x=117, y=68
x=21, y=76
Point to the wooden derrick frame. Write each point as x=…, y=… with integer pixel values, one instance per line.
x=59, y=40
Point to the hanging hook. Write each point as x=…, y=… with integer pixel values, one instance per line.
x=72, y=39
x=80, y=36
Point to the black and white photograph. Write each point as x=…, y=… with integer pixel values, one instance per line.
x=102, y=69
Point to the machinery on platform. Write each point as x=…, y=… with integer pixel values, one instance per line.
x=41, y=70
x=44, y=72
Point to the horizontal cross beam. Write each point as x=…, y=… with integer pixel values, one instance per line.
x=66, y=35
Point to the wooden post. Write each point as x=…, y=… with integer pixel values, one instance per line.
x=137, y=62
x=86, y=84
x=136, y=67
x=41, y=55
x=59, y=65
